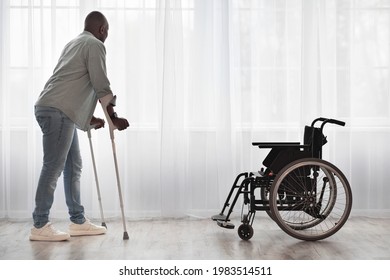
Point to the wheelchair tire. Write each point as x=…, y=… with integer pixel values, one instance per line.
x=317, y=199
x=245, y=231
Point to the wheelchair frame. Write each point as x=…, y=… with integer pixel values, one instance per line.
x=309, y=198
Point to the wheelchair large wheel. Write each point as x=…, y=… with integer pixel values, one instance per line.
x=310, y=199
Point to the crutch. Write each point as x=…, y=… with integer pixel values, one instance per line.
x=112, y=128
x=96, y=178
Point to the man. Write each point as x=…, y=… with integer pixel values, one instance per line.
x=66, y=104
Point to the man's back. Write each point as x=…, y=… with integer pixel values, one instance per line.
x=78, y=80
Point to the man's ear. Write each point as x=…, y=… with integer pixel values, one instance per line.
x=101, y=29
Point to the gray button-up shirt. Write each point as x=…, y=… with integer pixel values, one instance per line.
x=78, y=80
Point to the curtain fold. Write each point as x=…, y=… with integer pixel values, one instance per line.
x=199, y=81
x=172, y=105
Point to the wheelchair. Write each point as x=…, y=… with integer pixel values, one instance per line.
x=309, y=198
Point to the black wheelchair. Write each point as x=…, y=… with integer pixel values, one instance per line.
x=309, y=198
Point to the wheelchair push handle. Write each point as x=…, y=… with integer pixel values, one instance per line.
x=325, y=120
x=341, y=123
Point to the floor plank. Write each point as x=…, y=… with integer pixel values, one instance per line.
x=199, y=239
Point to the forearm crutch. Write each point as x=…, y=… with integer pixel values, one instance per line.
x=96, y=178
x=105, y=103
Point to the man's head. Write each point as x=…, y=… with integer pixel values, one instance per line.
x=97, y=24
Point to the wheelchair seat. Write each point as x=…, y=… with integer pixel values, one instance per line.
x=282, y=153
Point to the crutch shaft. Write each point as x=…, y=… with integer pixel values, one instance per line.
x=96, y=179
x=105, y=103
x=118, y=182
x=125, y=234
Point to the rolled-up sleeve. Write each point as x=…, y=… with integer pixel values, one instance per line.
x=97, y=70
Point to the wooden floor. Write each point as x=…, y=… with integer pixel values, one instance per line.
x=199, y=239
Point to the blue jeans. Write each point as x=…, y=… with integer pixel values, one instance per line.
x=61, y=153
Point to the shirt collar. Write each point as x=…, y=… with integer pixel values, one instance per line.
x=87, y=33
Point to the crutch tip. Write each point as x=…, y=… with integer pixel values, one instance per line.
x=104, y=224
x=125, y=236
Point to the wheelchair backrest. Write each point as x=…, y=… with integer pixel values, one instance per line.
x=314, y=139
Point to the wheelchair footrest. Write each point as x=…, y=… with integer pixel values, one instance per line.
x=225, y=224
x=219, y=217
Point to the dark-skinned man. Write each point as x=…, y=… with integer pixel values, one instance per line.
x=66, y=104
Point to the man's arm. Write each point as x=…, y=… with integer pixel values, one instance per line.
x=101, y=85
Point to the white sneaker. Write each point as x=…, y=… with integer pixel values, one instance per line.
x=87, y=228
x=48, y=233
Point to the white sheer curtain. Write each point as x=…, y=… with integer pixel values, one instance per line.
x=200, y=80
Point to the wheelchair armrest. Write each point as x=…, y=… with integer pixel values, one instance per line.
x=278, y=145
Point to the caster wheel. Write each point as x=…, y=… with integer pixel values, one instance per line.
x=245, y=231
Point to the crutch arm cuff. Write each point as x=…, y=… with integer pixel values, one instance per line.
x=107, y=104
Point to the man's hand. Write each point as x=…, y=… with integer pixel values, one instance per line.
x=97, y=123
x=120, y=123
